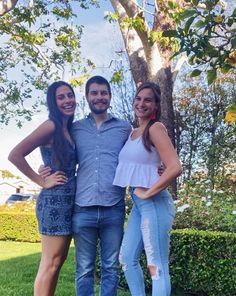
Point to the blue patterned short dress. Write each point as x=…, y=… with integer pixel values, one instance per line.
x=55, y=205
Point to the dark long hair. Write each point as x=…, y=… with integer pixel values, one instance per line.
x=157, y=95
x=59, y=141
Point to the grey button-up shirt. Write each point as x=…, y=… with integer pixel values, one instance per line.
x=97, y=153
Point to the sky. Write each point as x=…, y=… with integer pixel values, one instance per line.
x=99, y=45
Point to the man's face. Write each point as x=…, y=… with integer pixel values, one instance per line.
x=98, y=98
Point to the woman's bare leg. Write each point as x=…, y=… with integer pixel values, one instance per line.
x=54, y=253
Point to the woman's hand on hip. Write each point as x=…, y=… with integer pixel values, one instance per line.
x=141, y=192
x=57, y=178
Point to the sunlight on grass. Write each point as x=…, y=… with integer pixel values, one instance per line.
x=19, y=264
x=18, y=268
x=11, y=250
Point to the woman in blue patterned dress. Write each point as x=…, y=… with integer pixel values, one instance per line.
x=55, y=202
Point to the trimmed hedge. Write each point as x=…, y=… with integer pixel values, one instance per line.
x=201, y=262
x=19, y=226
x=204, y=262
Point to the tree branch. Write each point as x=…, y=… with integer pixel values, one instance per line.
x=137, y=41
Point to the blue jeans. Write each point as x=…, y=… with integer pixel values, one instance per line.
x=90, y=224
x=148, y=228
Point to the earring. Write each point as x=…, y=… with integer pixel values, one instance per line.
x=154, y=115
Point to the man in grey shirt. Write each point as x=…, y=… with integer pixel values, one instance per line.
x=99, y=206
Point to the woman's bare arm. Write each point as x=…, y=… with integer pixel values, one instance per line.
x=41, y=136
x=169, y=157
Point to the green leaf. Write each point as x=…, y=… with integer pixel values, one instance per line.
x=211, y=76
x=138, y=23
x=172, y=4
x=154, y=36
x=188, y=13
x=234, y=12
x=110, y=16
x=232, y=108
x=225, y=68
x=170, y=33
x=79, y=81
x=210, y=4
x=191, y=59
x=230, y=22
x=117, y=76
x=195, y=73
x=233, y=42
x=200, y=24
x=211, y=51
x=188, y=24
x=195, y=2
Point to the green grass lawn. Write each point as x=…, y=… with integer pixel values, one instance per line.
x=18, y=267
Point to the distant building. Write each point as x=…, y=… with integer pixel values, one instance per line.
x=10, y=186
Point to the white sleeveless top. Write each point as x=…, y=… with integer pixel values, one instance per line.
x=137, y=167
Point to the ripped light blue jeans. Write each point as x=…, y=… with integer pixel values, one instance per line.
x=148, y=228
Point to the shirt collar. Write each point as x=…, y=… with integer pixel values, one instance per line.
x=110, y=116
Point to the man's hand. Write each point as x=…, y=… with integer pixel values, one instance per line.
x=161, y=169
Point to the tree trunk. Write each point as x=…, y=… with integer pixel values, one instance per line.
x=167, y=110
x=149, y=61
x=6, y=6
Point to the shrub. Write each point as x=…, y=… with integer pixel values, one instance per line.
x=201, y=263
x=204, y=262
x=201, y=208
x=18, y=222
x=19, y=207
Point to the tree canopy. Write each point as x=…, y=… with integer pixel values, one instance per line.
x=41, y=39
x=40, y=43
x=206, y=30
x=207, y=34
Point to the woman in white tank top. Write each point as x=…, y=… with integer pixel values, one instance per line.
x=153, y=211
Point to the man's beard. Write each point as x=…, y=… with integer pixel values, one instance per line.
x=99, y=111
